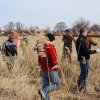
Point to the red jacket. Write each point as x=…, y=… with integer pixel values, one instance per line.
x=49, y=59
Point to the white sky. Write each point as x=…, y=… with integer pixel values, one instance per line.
x=44, y=13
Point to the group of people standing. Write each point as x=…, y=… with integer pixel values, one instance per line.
x=48, y=59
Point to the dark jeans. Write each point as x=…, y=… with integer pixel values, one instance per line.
x=82, y=84
x=51, y=81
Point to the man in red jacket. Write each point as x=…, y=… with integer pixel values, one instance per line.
x=48, y=61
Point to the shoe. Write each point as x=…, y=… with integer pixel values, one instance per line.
x=42, y=94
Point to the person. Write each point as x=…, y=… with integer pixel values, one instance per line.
x=25, y=39
x=67, y=47
x=9, y=52
x=16, y=38
x=48, y=61
x=24, y=43
x=83, y=53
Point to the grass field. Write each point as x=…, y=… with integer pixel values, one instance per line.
x=26, y=79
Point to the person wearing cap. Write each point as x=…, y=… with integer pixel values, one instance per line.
x=67, y=47
x=48, y=62
x=83, y=53
x=9, y=52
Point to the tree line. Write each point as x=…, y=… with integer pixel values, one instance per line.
x=94, y=29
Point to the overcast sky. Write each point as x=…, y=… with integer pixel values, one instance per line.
x=44, y=13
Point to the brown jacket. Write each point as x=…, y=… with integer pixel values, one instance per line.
x=90, y=42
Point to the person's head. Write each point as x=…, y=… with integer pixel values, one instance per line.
x=83, y=31
x=67, y=32
x=50, y=37
x=11, y=37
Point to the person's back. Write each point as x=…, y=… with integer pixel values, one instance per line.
x=67, y=47
x=48, y=59
x=67, y=42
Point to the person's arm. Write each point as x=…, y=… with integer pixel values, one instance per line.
x=86, y=48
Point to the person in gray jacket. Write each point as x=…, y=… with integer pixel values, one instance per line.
x=9, y=52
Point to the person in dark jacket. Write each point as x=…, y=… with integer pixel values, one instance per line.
x=83, y=53
x=67, y=47
x=9, y=52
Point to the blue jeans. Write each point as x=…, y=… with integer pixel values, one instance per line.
x=51, y=81
x=82, y=84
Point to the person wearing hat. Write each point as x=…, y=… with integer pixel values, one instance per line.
x=67, y=47
x=9, y=52
x=48, y=62
x=83, y=53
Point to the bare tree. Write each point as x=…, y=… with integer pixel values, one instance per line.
x=60, y=27
x=9, y=26
x=80, y=24
x=95, y=28
x=47, y=29
x=19, y=26
x=32, y=29
x=37, y=30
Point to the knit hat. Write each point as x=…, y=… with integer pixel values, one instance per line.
x=67, y=30
x=51, y=37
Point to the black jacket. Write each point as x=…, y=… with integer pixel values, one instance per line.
x=9, y=48
x=67, y=41
x=83, y=49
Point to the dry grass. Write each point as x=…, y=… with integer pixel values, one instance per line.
x=26, y=80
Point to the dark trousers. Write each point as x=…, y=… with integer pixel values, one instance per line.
x=82, y=80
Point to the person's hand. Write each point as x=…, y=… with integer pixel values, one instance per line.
x=98, y=50
x=83, y=60
x=56, y=66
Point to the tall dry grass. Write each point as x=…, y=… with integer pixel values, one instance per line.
x=26, y=78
